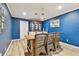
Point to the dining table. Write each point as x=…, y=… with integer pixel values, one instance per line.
x=30, y=43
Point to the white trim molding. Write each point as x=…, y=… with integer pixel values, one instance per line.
x=69, y=45
x=10, y=46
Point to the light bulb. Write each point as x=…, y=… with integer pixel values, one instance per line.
x=59, y=7
x=24, y=13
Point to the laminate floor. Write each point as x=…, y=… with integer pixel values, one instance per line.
x=18, y=47
x=68, y=50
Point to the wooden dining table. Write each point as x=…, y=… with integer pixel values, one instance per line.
x=30, y=37
x=30, y=43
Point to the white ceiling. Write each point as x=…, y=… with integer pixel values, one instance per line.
x=50, y=9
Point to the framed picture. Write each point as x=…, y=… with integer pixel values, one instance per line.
x=1, y=19
x=55, y=23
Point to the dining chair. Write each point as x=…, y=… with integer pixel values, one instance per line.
x=50, y=46
x=57, y=40
x=40, y=45
x=53, y=42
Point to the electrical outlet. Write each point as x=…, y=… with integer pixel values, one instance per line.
x=67, y=40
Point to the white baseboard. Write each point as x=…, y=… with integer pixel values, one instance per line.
x=0, y=54
x=7, y=49
x=16, y=39
x=69, y=45
x=10, y=46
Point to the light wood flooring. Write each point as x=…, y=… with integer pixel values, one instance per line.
x=68, y=50
x=18, y=47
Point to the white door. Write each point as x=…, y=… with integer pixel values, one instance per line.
x=23, y=28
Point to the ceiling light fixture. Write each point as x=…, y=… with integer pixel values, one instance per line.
x=35, y=13
x=24, y=13
x=42, y=13
x=59, y=7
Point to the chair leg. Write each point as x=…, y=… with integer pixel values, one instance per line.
x=42, y=54
x=46, y=50
x=54, y=47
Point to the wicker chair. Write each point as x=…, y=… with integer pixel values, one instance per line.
x=56, y=40
x=53, y=42
x=50, y=46
x=40, y=46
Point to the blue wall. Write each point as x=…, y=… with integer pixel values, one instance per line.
x=5, y=36
x=69, y=27
x=15, y=28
